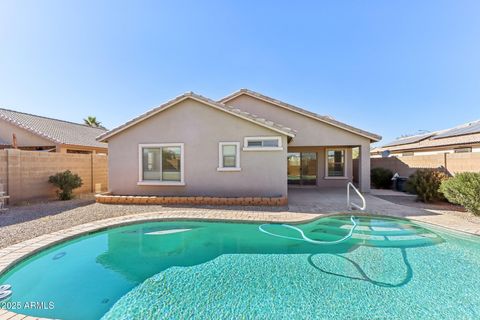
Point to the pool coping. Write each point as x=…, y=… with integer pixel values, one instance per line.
x=11, y=255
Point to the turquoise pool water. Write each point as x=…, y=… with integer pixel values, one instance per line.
x=389, y=268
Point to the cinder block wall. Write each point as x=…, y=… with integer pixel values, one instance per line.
x=453, y=162
x=3, y=170
x=24, y=174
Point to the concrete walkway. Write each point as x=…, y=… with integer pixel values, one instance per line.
x=384, y=202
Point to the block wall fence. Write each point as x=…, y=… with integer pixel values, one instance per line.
x=452, y=162
x=24, y=174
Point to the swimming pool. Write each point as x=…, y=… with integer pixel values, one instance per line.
x=389, y=268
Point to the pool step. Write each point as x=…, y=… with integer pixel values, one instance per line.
x=361, y=222
x=344, y=230
x=382, y=235
x=377, y=241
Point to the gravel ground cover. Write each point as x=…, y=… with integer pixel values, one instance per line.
x=20, y=223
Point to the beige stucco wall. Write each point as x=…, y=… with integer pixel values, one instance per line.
x=24, y=138
x=311, y=132
x=200, y=128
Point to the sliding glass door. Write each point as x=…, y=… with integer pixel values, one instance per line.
x=302, y=168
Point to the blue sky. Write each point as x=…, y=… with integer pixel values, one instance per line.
x=391, y=67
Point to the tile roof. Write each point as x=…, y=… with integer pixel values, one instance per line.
x=435, y=143
x=57, y=131
x=410, y=139
x=471, y=127
x=190, y=95
x=325, y=119
x=465, y=134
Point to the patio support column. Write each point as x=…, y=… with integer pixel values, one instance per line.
x=364, y=167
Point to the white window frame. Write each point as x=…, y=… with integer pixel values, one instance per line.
x=247, y=139
x=220, y=156
x=345, y=175
x=142, y=182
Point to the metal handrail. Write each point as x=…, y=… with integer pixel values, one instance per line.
x=351, y=204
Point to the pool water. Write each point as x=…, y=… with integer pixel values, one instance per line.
x=389, y=268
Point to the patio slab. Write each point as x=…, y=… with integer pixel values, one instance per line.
x=333, y=200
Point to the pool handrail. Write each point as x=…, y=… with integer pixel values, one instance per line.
x=350, y=204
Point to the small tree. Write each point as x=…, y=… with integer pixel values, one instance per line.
x=66, y=181
x=92, y=121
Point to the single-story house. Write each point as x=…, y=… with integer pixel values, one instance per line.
x=38, y=133
x=464, y=138
x=244, y=145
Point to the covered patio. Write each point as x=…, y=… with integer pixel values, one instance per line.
x=328, y=166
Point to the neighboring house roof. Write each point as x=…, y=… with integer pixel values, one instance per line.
x=219, y=106
x=376, y=149
x=465, y=134
x=325, y=119
x=410, y=139
x=57, y=131
x=467, y=128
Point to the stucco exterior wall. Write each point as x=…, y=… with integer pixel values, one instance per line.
x=311, y=132
x=24, y=138
x=200, y=128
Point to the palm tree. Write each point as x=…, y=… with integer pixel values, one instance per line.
x=92, y=122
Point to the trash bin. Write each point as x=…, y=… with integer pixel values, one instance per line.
x=400, y=183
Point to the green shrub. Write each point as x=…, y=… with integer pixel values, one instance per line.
x=66, y=181
x=463, y=189
x=381, y=178
x=425, y=183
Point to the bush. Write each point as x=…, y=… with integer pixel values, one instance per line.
x=66, y=181
x=381, y=178
x=463, y=189
x=425, y=183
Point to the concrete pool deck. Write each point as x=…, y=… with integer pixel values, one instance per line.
x=304, y=204
x=384, y=202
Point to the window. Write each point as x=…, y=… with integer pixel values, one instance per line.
x=161, y=164
x=335, y=164
x=462, y=150
x=407, y=154
x=228, y=156
x=262, y=143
